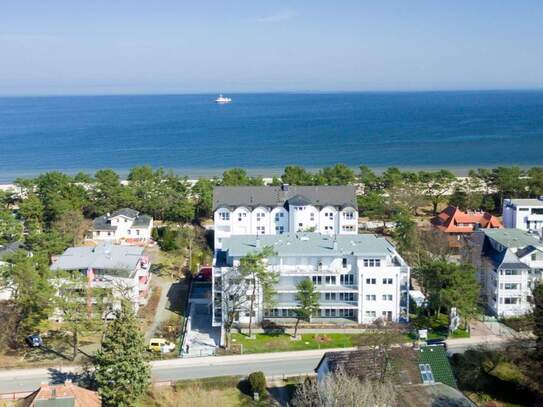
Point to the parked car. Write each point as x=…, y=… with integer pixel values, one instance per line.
x=205, y=274
x=34, y=340
x=437, y=342
x=161, y=345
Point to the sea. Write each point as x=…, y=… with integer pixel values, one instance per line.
x=263, y=133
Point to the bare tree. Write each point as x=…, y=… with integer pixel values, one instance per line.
x=339, y=389
x=233, y=288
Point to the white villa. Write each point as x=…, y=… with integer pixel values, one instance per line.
x=123, y=269
x=525, y=214
x=360, y=278
x=274, y=210
x=510, y=264
x=125, y=225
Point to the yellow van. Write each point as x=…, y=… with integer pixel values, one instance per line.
x=160, y=345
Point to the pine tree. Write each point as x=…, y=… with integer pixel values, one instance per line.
x=122, y=374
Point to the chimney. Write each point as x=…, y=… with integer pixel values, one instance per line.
x=284, y=187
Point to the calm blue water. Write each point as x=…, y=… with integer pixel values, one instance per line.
x=265, y=132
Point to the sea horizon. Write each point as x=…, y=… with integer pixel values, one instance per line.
x=264, y=132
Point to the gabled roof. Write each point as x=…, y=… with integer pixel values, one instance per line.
x=436, y=357
x=64, y=395
x=127, y=212
x=103, y=223
x=273, y=196
x=451, y=218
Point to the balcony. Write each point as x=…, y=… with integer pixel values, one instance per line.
x=322, y=304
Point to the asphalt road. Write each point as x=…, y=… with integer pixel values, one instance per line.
x=272, y=364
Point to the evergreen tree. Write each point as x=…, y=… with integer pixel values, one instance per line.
x=122, y=374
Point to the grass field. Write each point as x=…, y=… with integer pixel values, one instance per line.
x=220, y=391
x=283, y=342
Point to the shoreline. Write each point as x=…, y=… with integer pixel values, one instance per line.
x=193, y=174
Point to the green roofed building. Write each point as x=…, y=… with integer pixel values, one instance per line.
x=435, y=367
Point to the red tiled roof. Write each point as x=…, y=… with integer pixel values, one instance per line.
x=453, y=220
x=82, y=397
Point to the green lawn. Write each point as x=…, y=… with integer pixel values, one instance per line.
x=283, y=342
x=437, y=328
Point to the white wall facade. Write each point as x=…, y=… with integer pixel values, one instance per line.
x=277, y=220
x=509, y=290
x=524, y=214
x=125, y=230
x=359, y=288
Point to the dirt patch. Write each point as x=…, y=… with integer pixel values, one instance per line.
x=322, y=339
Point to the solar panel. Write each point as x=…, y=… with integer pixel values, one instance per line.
x=426, y=373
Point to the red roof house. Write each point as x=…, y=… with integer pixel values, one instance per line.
x=453, y=220
x=62, y=395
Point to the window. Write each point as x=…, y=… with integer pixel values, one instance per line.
x=387, y=315
x=371, y=314
x=426, y=373
x=224, y=216
x=371, y=281
x=241, y=215
x=280, y=229
x=329, y=215
x=387, y=281
x=347, y=228
x=511, y=301
x=98, y=233
x=260, y=229
x=137, y=232
x=330, y=279
x=534, y=257
x=512, y=272
x=344, y=263
x=330, y=296
x=346, y=279
x=129, y=231
x=510, y=286
x=348, y=215
x=330, y=228
x=317, y=280
x=312, y=216
x=372, y=262
x=260, y=216
x=346, y=296
x=300, y=224
x=387, y=297
x=371, y=297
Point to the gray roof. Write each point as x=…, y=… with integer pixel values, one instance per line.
x=104, y=222
x=513, y=238
x=309, y=244
x=142, y=220
x=105, y=256
x=9, y=248
x=272, y=196
x=129, y=213
x=526, y=202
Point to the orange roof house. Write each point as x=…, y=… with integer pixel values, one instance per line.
x=453, y=220
x=63, y=395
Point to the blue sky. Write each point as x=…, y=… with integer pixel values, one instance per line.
x=178, y=46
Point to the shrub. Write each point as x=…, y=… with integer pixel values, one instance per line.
x=257, y=380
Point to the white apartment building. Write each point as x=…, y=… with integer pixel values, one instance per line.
x=359, y=277
x=125, y=225
x=122, y=269
x=510, y=264
x=275, y=210
x=525, y=214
